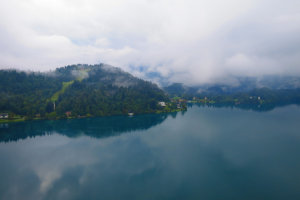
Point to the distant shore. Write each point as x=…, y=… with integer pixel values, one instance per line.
x=23, y=118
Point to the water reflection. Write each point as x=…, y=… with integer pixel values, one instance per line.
x=93, y=127
x=254, y=107
x=205, y=153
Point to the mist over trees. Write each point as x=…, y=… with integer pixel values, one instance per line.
x=80, y=90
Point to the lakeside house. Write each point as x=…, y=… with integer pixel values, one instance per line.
x=3, y=115
x=162, y=103
x=68, y=113
x=130, y=114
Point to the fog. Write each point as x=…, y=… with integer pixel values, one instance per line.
x=190, y=41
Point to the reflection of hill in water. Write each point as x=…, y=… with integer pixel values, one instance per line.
x=257, y=108
x=93, y=127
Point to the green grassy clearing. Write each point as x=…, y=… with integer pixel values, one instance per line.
x=63, y=89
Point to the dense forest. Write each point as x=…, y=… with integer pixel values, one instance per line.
x=246, y=96
x=102, y=90
x=75, y=91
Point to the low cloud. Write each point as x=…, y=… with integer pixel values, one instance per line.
x=184, y=41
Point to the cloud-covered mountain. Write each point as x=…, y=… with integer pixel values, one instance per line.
x=238, y=84
x=77, y=90
x=188, y=41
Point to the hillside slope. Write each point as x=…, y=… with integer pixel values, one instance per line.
x=79, y=90
x=259, y=94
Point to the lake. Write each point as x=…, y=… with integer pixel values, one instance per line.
x=204, y=153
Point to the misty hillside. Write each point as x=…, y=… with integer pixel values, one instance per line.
x=251, y=93
x=240, y=84
x=84, y=90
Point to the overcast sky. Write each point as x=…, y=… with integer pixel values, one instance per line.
x=190, y=41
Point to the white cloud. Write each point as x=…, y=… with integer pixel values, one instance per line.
x=240, y=64
x=191, y=41
x=102, y=42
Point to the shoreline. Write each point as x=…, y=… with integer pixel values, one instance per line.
x=23, y=119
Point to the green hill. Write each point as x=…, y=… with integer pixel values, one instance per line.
x=78, y=90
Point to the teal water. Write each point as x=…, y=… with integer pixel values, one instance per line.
x=203, y=153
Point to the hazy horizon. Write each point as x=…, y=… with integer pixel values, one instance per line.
x=189, y=41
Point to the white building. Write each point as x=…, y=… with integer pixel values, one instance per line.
x=3, y=115
x=162, y=103
x=130, y=114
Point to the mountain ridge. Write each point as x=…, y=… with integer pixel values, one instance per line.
x=76, y=91
x=239, y=84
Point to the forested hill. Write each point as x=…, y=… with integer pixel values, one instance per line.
x=257, y=95
x=77, y=90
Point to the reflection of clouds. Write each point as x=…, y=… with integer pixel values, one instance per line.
x=52, y=155
x=216, y=142
x=116, y=158
x=96, y=159
x=49, y=156
x=217, y=154
x=47, y=178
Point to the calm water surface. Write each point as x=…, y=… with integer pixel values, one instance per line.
x=204, y=153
